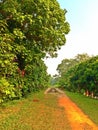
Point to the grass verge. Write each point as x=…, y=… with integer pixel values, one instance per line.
x=87, y=104
x=36, y=112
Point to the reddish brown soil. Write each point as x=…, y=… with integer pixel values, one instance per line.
x=78, y=120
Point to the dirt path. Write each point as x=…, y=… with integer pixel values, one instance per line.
x=78, y=120
x=43, y=112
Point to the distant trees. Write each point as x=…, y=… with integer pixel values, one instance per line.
x=29, y=29
x=82, y=76
x=66, y=64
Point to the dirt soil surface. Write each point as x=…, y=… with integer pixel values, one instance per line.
x=78, y=120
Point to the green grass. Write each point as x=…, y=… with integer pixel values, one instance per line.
x=87, y=104
x=36, y=112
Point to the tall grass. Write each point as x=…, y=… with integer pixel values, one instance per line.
x=87, y=104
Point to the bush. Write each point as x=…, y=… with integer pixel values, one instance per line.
x=6, y=90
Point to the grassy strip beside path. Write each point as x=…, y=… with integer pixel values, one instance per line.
x=37, y=112
x=87, y=104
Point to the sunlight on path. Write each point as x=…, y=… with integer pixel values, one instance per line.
x=77, y=119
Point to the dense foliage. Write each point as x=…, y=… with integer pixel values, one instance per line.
x=29, y=30
x=81, y=75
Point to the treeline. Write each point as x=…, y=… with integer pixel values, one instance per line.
x=79, y=74
x=29, y=30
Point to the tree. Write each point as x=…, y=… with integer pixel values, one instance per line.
x=82, y=57
x=38, y=21
x=68, y=71
x=84, y=75
x=29, y=29
x=66, y=64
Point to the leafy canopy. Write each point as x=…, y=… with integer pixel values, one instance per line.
x=29, y=30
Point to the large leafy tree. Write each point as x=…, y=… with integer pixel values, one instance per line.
x=41, y=23
x=68, y=67
x=29, y=30
x=82, y=76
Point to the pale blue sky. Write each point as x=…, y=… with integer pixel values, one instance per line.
x=82, y=16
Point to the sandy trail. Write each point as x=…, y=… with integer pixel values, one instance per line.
x=78, y=120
